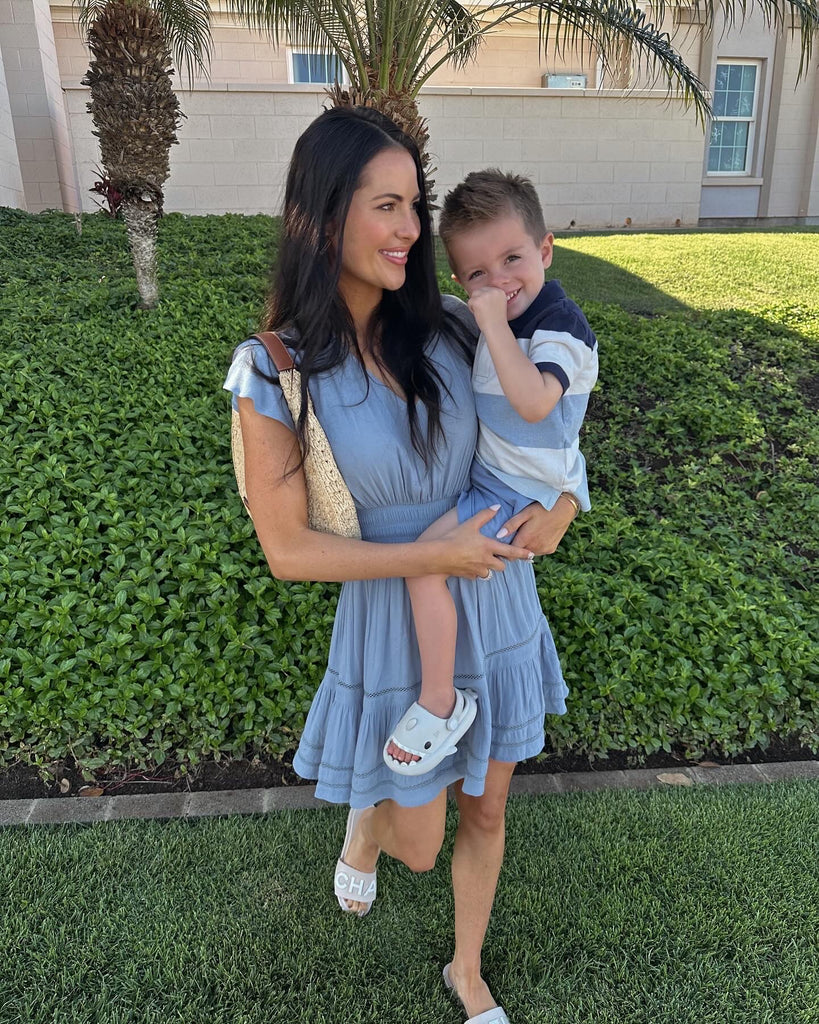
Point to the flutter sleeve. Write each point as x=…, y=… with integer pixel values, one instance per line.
x=244, y=382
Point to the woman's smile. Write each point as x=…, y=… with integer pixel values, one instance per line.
x=396, y=255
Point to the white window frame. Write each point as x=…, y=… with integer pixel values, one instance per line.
x=750, y=121
x=291, y=76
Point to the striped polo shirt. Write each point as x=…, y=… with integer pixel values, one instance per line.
x=540, y=460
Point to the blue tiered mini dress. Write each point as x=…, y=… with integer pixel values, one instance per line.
x=505, y=650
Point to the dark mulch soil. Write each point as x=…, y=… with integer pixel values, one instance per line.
x=65, y=780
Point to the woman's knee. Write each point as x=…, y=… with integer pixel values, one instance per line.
x=487, y=813
x=417, y=834
x=419, y=850
x=483, y=815
x=421, y=859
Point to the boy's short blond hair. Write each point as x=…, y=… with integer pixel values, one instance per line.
x=487, y=195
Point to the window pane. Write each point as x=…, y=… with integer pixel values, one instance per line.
x=301, y=67
x=735, y=76
x=740, y=139
x=721, y=83
x=714, y=155
x=316, y=67
x=728, y=147
x=746, y=104
x=749, y=78
x=732, y=104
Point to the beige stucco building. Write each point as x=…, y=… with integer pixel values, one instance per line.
x=602, y=156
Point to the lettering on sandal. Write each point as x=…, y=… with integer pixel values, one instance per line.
x=354, y=886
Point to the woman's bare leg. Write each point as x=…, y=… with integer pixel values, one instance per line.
x=436, y=626
x=412, y=835
x=476, y=864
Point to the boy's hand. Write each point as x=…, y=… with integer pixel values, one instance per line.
x=488, y=306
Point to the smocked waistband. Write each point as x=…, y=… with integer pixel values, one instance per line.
x=400, y=523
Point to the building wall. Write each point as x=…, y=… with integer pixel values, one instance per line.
x=780, y=182
x=11, y=181
x=794, y=158
x=597, y=160
x=514, y=58
x=37, y=105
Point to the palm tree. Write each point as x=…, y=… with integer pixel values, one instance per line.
x=133, y=106
x=390, y=48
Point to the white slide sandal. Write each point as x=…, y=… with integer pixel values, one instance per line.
x=349, y=883
x=429, y=737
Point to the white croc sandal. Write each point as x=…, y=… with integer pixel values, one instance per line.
x=350, y=884
x=497, y=1015
x=429, y=737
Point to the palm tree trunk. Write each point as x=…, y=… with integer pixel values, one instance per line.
x=141, y=221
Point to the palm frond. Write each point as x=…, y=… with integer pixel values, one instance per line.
x=307, y=22
x=800, y=16
x=187, y=28
x=607, y=25
x=88, y=11
x=449, y=28
x=333, y=25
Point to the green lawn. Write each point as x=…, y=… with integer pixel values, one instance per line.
x=702, y=270
x=665, y=907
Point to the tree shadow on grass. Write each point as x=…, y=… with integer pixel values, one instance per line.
x=590, y=279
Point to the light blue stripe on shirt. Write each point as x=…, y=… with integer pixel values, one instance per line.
x=558, y=430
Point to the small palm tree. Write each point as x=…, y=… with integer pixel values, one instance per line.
x=135, y=111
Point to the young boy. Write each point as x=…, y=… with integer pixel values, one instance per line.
x=535, y=365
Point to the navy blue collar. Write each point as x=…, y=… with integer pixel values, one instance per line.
x=549, y=294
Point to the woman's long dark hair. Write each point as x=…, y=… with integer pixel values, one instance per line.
x=325, y=171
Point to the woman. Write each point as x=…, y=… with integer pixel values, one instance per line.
x=387, y=361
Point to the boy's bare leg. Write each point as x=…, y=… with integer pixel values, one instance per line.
x=436, y=626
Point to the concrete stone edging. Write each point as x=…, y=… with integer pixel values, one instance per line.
x=86, y=810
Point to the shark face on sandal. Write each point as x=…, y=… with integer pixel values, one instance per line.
x=430, y=738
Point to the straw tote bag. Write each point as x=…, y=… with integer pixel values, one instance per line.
x=330, y=506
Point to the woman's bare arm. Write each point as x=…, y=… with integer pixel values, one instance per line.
x=295, y=552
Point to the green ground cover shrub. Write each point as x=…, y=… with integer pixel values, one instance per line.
x=140, y=620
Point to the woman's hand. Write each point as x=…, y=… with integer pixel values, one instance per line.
x=540, y=530
x=465, y=551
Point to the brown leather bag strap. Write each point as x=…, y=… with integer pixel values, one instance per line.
x=282, y=359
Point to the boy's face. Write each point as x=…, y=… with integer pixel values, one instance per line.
x=501, y=254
